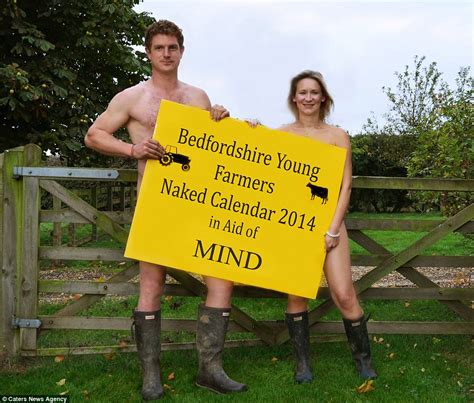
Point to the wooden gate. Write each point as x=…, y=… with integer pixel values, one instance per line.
x=22, y=180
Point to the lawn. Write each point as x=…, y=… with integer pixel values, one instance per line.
x=416, y=368
x=419, y=368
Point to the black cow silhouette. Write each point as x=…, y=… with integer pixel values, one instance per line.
x=318, y=191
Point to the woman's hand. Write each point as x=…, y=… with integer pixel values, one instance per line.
x=253, y=123
x=331, y=240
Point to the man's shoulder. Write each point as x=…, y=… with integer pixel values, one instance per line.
x=195, y=96
x=193, y=90
x=134, y=91
x=129, y=96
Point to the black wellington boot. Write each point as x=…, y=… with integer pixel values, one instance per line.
x=358, y=338
x=211, y=330
x=299, y=332
x=147, y=335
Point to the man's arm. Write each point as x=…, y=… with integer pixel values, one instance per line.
x=100, y=136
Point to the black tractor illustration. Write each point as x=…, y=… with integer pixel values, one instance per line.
x=172, y=155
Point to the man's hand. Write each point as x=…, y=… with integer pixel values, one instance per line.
x=148, y=149
x=218, y=112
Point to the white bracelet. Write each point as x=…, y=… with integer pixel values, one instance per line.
x=333, y=235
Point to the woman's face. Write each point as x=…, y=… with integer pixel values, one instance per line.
x=308, y=96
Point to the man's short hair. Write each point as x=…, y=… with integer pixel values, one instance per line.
x=163, y=27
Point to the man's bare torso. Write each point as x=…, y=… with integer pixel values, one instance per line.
x=143, y=101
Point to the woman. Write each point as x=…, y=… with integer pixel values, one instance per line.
x=310, y=102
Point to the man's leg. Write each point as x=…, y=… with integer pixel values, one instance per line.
x=152, y=284
x=213, y=319
x=147, y=323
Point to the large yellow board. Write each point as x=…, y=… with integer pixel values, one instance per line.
x=245, y=204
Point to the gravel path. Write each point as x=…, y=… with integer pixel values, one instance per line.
x=443, y=276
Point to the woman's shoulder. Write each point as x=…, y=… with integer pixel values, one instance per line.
x=339, y=135
x=336, y=130
x=288, y=127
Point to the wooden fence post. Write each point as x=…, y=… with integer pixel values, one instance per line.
x=12, y=225
x=29, y=236
x=3, y=320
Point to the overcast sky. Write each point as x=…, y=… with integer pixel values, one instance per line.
x=243, y=53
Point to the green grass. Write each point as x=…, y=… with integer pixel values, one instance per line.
x=454, y=244
x=417, y=368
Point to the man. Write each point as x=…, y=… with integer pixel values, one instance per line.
x=136, y=109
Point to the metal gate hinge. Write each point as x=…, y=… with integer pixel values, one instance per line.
x=25, y=323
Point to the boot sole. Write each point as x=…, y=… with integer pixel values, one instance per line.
x=219, y=392
x=211, y=389
x=153, y=398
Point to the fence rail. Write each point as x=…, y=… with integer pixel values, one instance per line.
x=23, y=181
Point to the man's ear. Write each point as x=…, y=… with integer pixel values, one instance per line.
x=147, y=51
x=182, y=50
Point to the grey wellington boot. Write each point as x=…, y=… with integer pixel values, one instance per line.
x=299, y=332
x=358, y=338
x=211, y=330
x=147, y=335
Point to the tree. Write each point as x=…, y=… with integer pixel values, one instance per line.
x=447, y=151
x=437, y=123
x=415, y=103
x=62, y=63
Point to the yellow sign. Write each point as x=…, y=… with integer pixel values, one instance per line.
x=245, y=204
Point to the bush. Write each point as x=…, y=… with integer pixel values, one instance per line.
x=380, y=155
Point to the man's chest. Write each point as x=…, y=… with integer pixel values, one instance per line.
x=147, y=107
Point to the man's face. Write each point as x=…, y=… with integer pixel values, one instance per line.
x=164, y=53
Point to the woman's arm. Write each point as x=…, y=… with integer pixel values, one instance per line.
x=342, y=140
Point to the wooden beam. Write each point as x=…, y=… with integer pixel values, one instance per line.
x=243, y=319
x=45, y=352
x=82, y=253
x=240, y=291
x=129, y=271
x=403, y=257
x=380, y=182
x=70, y=216
x=422, y=281
x=86, y=210
x=393, y=263
x=436, y=262
x=458, y=307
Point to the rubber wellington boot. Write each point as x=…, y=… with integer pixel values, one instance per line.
x=147, y=335
x=211, y=330
x=299, y=332
x=358, y=338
